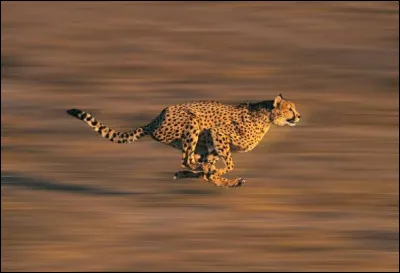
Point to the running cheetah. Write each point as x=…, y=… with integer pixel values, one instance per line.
x=206, y=131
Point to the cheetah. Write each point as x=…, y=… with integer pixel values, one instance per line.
x=206, y=131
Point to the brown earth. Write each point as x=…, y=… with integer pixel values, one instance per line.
x=320, y=196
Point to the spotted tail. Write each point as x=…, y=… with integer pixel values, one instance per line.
x=108, y=133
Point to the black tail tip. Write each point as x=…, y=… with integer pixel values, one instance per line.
x=74, y=112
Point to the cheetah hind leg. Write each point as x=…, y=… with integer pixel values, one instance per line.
x=199, y=172
x=206, y=169
x=189, y=142
x=205, y=166
x=209, y=177
x=210, y=174
x=222, y=150
x=224, y=182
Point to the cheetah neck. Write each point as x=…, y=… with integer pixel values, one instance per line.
x=267, y=105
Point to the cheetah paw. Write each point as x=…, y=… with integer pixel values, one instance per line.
x=238, y=183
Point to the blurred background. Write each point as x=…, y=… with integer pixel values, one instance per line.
x=320, y=196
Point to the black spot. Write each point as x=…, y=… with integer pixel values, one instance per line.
x=107, y=136
x=88, y=119
x=94, y=123
x=114, y=135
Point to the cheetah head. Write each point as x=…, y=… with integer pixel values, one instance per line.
x=284, y=112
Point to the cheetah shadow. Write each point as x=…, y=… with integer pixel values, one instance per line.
x=14, y=180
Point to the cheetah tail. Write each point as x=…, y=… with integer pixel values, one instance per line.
x=104, y=131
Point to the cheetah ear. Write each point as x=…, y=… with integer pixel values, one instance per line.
x=277, y=100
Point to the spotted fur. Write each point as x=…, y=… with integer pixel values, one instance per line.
x=206, y=131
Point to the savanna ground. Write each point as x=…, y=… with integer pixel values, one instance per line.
x=320, y=196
